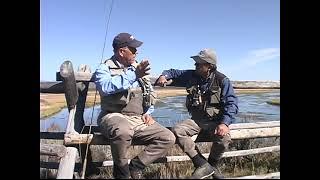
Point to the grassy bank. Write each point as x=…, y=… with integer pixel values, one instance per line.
x=50, y=104
x=274, y=102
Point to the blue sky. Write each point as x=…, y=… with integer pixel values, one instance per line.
x=244, y=33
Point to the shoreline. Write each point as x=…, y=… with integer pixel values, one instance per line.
x=51, y=104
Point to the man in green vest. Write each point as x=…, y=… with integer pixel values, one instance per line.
x=212, y=105
x=127, y=101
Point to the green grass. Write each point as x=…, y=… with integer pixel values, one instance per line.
x=274, y=102
x=54, y=109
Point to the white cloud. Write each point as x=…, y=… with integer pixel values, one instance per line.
x=254, y=57
x=260, y=55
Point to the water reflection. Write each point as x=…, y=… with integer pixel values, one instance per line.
x=170, y=110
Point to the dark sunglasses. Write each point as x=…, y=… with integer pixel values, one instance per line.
x=132, y=50
x=198, y=64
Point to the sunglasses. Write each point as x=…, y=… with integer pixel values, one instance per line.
x=132, y=50
x=199, y=64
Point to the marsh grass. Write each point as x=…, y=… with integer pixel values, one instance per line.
x=54, y=103
x=230, y=167
x=52, y=110
x=274, y=102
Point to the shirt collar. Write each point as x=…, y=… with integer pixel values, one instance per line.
x=115, y=60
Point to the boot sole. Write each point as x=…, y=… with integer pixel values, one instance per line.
x=207, y=175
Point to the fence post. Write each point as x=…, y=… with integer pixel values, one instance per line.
x=67, y=164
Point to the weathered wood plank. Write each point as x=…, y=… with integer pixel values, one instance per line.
x=52, y=149
x=238, y=131
x=242, y=133
x=77, y=139
x=80, y=76
x=255, y=133
x=51, y=87
x=255, y=125
x=57, y=87
x=67, y=164
x=275, y=175
x=71, y=92
x=70, y=124
x=206, y=155
x=52, y=135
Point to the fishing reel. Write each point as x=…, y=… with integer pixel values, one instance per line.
x=194, y=98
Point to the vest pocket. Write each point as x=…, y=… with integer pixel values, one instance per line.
x=212, y=111
x=121, y=98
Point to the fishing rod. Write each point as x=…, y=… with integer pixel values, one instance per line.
x=94, y=101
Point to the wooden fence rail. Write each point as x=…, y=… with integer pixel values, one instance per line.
x=238, y=131
x=206, y=155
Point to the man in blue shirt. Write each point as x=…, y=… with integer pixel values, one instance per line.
x=212, y=104
x=127, y=101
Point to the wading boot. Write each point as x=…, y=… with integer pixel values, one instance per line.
x=203, y=171
x=136, y=167
x=136, y=174
x=217, y=174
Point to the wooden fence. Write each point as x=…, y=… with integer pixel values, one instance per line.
x=75, y=87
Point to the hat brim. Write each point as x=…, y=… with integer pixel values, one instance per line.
x=198, y=59
x=135, y=43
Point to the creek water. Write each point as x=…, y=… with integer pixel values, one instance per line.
x=171, y=110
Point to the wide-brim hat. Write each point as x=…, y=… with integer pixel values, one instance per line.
x=206, y=55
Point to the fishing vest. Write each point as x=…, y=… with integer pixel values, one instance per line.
x=205, y=103
x=131, y=101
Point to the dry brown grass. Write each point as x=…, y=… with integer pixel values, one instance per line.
x=51, y=104
x=230, y=167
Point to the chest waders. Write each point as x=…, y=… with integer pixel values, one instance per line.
x=131, y=101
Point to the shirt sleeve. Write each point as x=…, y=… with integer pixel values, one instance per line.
x=180, y=77
x=229, y=101
x=150, y=110
x=107, y=84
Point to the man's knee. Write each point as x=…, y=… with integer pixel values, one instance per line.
x=166, y=137
x=122, y=134
x=178, y=131
x=170, y=137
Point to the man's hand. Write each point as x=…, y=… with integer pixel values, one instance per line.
x=222, y=130
x=147, y=119
x=162, y=81
x=142, y=69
